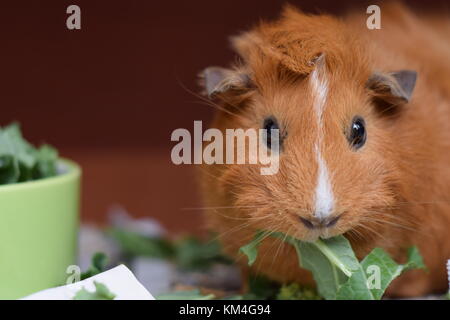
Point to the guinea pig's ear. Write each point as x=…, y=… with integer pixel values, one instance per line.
x=394, y=88
x=216, y=80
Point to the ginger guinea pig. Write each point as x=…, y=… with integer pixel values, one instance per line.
x=364, y=122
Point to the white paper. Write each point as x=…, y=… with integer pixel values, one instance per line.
x=119, y=280
x=448, y=274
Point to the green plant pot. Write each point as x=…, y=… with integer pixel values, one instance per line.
x=38, y=232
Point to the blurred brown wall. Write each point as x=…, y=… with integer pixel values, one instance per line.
x=109, y=95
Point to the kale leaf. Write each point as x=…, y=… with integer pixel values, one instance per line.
x=20, y=161
x=336, y=270
x=101, y=293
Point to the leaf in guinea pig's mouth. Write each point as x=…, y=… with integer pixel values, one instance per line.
x=337, y=271
x=251, y=249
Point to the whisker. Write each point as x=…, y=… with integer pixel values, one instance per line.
x=208, y=102
x=222, y=207
x=243, y=218
x=282, y=242
x=269, y=249
x=424, y=202
x=372, y=231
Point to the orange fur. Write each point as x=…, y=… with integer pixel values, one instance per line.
x=394, y=192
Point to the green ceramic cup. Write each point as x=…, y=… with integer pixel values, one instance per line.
x=38, y=232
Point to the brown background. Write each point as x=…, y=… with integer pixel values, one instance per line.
x=109, y=95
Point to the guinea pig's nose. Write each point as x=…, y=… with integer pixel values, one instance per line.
x=316, y=223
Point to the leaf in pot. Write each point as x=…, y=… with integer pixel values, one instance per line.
x=47, y=158
x=18, y=147
x=9, y=169
x=20, y=160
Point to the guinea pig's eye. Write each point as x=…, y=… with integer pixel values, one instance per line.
x=358, y=135
x=268, y=136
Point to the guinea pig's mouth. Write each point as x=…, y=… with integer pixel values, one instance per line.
x=312, y=229
x=323, y=233
x=324, y=224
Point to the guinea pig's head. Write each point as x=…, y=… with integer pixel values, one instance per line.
x=309, y=77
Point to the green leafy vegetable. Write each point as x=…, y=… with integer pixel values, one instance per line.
x=46, y=157
x=326, y=274
x=101, y=293
x=134, y=244
x=261, y=288
x=382, y=267
x=98, y=265
x=194, y=254
x=188, y=253
x=185, y=295
x=251, y=249
x=294, y=291
x=21, y=161
x=336, y=270
x=325, y=267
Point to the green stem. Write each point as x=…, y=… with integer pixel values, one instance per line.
x=332, y=257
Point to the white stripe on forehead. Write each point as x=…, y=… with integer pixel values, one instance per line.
x=320, y=90
x=324, y=199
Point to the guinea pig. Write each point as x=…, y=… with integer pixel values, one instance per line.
x=364, y=122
